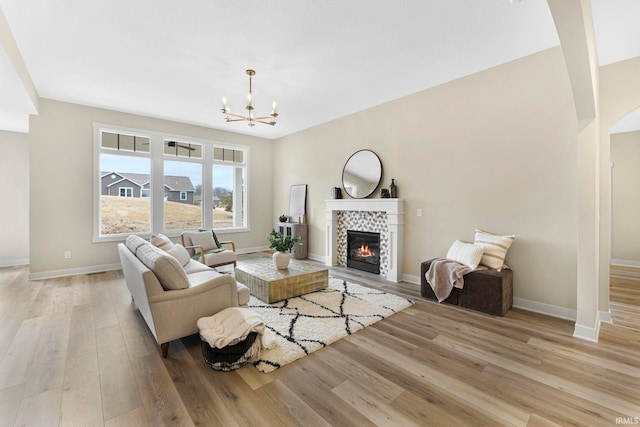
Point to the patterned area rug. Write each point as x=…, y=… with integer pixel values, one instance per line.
x=309, y=322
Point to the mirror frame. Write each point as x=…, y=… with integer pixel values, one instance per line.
x=353, y=159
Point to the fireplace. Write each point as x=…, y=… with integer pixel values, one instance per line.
x=363, y=251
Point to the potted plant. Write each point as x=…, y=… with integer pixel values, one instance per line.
x=283, y=245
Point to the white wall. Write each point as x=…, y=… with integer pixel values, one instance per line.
x=625, y=197
x=14, y=206
x=495, y=150
x=61, y=151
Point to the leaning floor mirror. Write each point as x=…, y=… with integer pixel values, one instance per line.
x=298, y=203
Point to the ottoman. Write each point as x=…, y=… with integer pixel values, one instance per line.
x=489, y=291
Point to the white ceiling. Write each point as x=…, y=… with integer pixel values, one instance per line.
x=319, y=60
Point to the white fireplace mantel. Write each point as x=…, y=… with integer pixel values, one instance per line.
x=394, y=209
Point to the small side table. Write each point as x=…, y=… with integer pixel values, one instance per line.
x=294, y=229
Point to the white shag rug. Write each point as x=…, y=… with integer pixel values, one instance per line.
x=309, y=322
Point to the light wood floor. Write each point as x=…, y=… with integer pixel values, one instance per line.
x=74, y=351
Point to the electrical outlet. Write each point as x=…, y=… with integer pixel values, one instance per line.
x=67, y=254
x=419, y=212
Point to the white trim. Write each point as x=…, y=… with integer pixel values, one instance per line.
x=316, y=257
x=157, y=157
x=587, y=333
x=251, y=250
x=394, y=209
x=409, y=278
x=625, y=263
x=542, y=308
x=605, y=316
x=74, y=271
x=14, y=262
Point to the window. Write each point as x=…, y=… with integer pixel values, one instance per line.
x=199, y=184
x=229, y=175
x=123, y=168
x=182, y=185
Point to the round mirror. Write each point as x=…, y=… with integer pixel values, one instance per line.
x=362, y=174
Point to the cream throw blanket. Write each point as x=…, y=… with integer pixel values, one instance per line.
x=444, y=275
x=232, y=325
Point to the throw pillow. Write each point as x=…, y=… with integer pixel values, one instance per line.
x=494, y=248
x=204, y=239
x=167, y=269
x=179, y=253
x=133, y=242
x=465, y=253
x=161, y=241
x=215, y=238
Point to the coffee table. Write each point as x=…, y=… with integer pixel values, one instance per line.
x=270, y=284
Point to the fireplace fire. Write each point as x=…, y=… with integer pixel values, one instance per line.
x=363, y=251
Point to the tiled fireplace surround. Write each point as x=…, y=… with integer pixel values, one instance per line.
x=384, y=216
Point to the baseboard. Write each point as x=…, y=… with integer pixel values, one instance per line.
x=542, y=308
x=316, y=257
x=625, y=263
x=74, y=271
x=411, y=279
x=251, y=250
x=587, y=333
x=605, y=316
x=13, y=262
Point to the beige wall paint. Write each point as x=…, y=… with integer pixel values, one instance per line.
x=61, y=151
x=625, y=198
x=495, y=150
x=14, y=211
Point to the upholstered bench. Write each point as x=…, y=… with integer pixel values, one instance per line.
x=489, y=291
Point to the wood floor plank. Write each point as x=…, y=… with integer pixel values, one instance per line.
x=501, y=410
x=371, y=406
x=288, y=406
x=162, y=403
x=40, y=410
x=117, y=383
x=10, y=400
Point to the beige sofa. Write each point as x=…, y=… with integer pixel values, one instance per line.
x=172, y=296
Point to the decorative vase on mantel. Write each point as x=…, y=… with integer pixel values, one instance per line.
x=281, y=260
x=393, y=190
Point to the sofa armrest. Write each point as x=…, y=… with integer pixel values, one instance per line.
x=176, y=312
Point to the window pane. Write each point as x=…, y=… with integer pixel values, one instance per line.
x=228, y=197
x=183, y=149
x=182, y=195
x=125, y=142
x=123, y=209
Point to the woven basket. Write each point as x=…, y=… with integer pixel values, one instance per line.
x=230, y=357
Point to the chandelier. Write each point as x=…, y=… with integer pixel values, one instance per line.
x=231, y=117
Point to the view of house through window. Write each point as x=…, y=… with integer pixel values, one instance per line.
x=129, y=194
x=123, y=207
x=182, y=195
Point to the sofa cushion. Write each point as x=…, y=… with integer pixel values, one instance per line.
x=133, y=242
x=494, y=248
x=465, y=254
x=167, y=269
x=161, y=241
x=179, y=253
x=194, y=266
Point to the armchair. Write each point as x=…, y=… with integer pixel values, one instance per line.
x=205, y=245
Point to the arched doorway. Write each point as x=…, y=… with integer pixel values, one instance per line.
x=624, y=140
